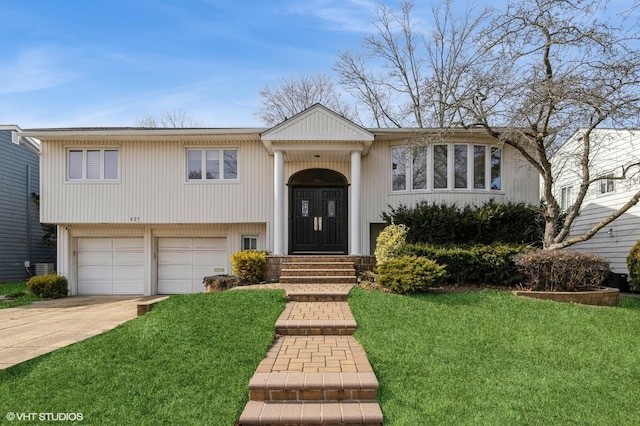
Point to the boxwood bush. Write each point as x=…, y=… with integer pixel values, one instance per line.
x=51, y=286
x=563, y=270
x=483, y=264
x=408, y=274
x=633, y=264
x=249, y=265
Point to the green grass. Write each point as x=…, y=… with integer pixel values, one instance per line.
x=187, y=361
x=490, y=358
x=19, y=291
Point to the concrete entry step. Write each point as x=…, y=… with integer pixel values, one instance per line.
x=311, y=413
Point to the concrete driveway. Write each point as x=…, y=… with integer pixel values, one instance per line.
x=32, y=330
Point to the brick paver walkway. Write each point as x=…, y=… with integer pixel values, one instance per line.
x=315, y=372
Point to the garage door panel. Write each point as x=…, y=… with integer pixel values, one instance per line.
x=97, y=287
x=94, y=257
x=95, y=273
x=176, y=243
x=173, y=272
x=210, y=243
x=176, y=287
x=127, y=287
x=128, y=272
x=95, y=244
x=128, y=257
x=135, y=244
x=209, y=257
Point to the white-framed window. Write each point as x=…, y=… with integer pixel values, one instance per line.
x=212, y=164
x=249, y=242
x=93, y=164
x=607, y=184
x=566, y=198
x=451, y=166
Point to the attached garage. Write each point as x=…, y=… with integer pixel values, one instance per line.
x=184, y=262
x=110, y=266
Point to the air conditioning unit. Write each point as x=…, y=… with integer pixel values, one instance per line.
x=44, y=268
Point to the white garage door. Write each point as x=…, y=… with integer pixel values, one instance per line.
x=110, y=266
x=184, y=262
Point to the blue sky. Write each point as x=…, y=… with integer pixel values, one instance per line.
x=75, y=63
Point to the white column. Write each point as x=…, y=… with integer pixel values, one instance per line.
x=278, y=203
x=354, y=208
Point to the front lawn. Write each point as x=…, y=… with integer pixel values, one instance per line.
x=17, y=291
x=490, y=358
x=187, y=361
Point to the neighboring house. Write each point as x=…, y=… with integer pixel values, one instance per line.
x=611, y=151
x=148, y=211
x=20, y=230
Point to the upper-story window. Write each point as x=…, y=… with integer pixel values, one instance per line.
x=607, y=184
x=446, y=167
x=90, y=164
x=212, y=164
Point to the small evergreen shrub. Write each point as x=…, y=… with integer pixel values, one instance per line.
x=408, y=274
x=483, y=264
x=563, y=270
x=221, y=282
x=633, y=264
x=51, y=286
x=391, y=242
x=249, y=265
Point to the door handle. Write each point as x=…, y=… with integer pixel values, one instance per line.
x=320, y=223
x=315, y=223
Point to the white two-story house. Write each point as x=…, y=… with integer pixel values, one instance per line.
x=611, y=152
x=153, y=211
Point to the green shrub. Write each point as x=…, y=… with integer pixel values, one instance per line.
x=633, y=264
x=391, y=242
x=408, y=274
x=51, y=286
x=221, y=282
x=563, y=270
x=249, y=266
x=509, y=223
x=484, y=264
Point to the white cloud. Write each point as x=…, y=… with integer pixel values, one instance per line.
x=35, y=69
x=349, y=15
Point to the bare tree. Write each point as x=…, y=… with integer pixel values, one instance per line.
x=174, y=118
x=530, y=76
x=409, y=78
x=297, y=93
x=554, y=68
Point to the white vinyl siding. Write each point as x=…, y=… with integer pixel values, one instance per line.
x=110, y=266
x=92, y=164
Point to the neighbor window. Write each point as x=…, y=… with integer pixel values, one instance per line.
x=566, y=198
x=446, y=166
x=92, y=164
x=212, y=164
x=249, y=242
x=607, y=184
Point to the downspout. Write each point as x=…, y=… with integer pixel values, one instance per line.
x=28, y=218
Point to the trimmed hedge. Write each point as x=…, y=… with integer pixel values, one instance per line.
x=508, y=223
x=483, y=264
x=408, y=274
x=249, y=265
x=51, y=286
x=563, y=270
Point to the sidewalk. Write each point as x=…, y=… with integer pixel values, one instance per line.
x=315, y=372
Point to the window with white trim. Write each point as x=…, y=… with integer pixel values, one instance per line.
x=249, y=242
x=566, y=198
x=607, y=184
x=89, y=164
x=450, y=166
x=212, y=164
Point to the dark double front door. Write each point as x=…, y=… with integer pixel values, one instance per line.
x=318, y=220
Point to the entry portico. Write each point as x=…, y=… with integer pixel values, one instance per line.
x=316, y=208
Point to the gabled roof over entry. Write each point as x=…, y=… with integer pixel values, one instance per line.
x=318, y=124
